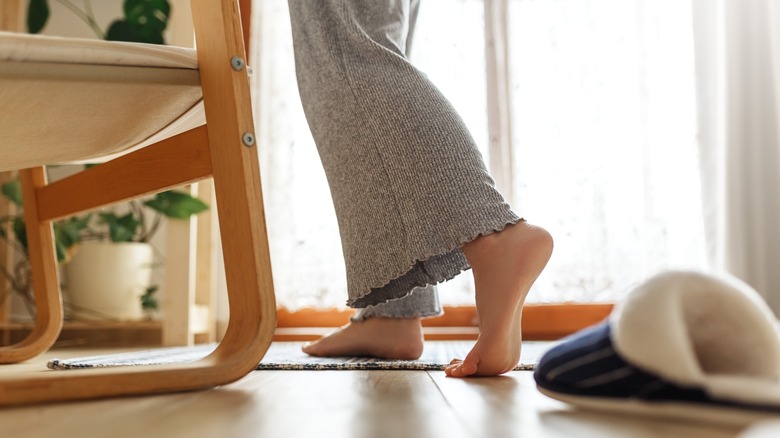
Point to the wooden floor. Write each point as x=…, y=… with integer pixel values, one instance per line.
x=343, y=404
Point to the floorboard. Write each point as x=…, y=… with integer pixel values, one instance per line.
x=510, y=406
x=340, y=404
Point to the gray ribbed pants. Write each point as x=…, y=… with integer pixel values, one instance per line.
x=408, y=183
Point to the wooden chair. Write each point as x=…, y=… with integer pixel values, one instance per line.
x=223, y=149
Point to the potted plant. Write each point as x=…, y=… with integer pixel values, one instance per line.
x=107, y=257
x=112, y=268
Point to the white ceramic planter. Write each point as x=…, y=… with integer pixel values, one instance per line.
x=106, y=280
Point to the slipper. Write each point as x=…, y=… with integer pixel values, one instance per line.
x=683, y=344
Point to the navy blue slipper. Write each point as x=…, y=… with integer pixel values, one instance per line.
x=683, y=345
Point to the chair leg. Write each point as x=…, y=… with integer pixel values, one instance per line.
x=45, y=281
x=249, y=333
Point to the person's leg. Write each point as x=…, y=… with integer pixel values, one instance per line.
x=409, y=186
x=389, y=330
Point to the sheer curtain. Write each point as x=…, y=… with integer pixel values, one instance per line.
x=738, y=88
x=605, y=130
x=602, y=111
x=304, y=237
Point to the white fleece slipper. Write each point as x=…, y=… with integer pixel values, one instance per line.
x=683, y=344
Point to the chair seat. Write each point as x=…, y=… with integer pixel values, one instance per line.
x=75, y=98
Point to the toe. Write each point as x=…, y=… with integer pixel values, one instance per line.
x=469, y=368
x=312, y=348
x=470, y=365
x=452, y=371
x=455, y=370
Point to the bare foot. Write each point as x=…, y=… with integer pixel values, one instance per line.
x=386, y=338
x=505, y=265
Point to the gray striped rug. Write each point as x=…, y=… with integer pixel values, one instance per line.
x=288, y=356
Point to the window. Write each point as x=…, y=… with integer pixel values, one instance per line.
x=604, y=141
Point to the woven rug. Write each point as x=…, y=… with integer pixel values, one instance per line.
x=288, y=356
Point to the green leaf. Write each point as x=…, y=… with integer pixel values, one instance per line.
x=13, y=191
x=141, y=11
x=148, y=300
x=20, y=232
x=37, y=15
x=120, y=228
x=62, y=252
x=144, y=22
x=121, y=30
x=67, y=234
x=176, y=205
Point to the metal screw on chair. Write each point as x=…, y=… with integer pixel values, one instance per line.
x=248, y=138
x=237, y=63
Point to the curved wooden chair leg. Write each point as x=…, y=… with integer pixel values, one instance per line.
x=45, y=281
x=249, y=333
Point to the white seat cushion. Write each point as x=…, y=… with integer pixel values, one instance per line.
x=65, y=100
